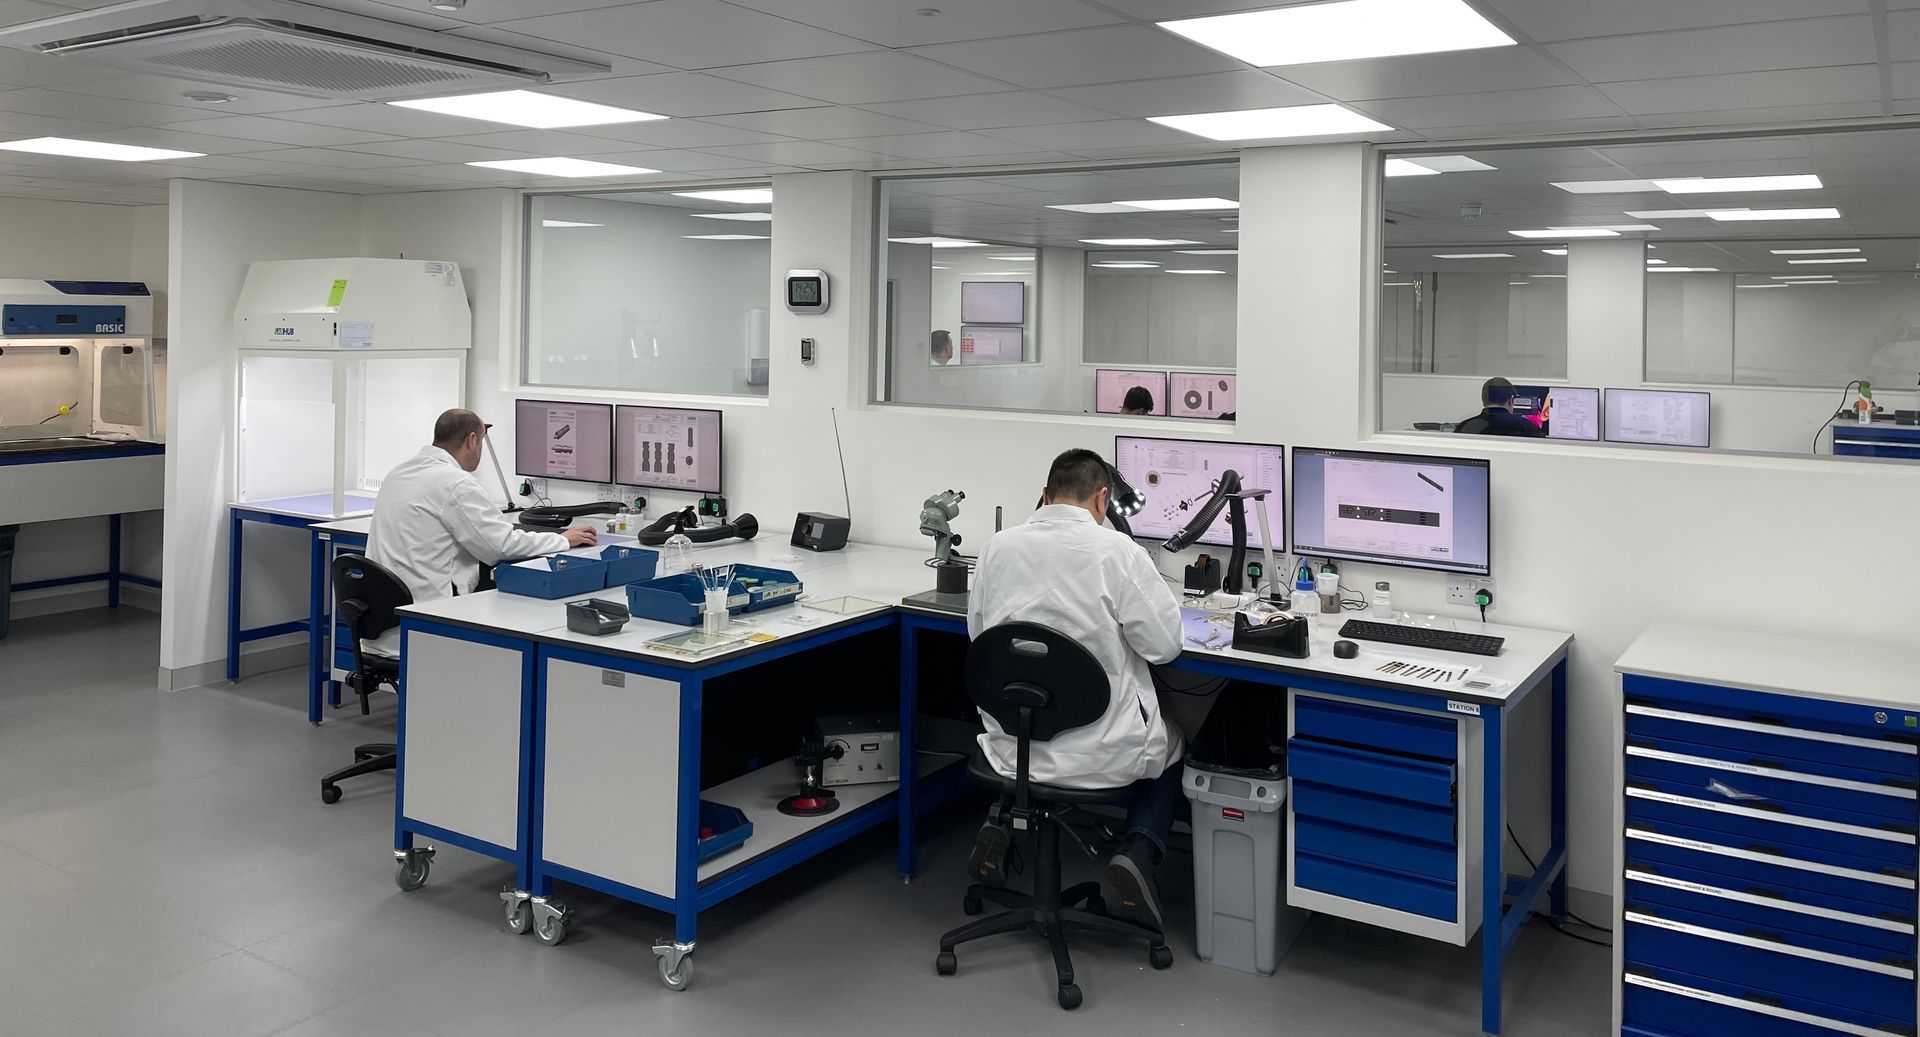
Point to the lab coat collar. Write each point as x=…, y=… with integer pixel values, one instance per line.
x=434, y=453
x=1062, y=513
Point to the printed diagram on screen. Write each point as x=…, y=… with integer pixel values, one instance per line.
x=1203, y=395
x=1404, y=510
x=1657, y=416
x=668, y=449
x=563, y=434
x=1177, y=477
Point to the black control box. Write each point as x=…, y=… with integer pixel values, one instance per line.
x=816, y=531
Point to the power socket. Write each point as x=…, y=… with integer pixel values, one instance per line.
x=1460, y=589
x=539, y=488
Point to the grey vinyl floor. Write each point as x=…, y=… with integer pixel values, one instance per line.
x=167, y=868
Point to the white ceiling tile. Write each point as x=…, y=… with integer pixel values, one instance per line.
x=824, y=123
x=617, y=64
x=164, y=90
x=110, y=110
x=1185, y=95
x=1733, y=48
x=1837, y=85
x=1083, y=56
x=1424, y=75
x=14, y=126
x=16, y=12
x=1023, y=158
x=1789, y=114
x=1906, y=77
x=809, y=153
x=685, y=133
x=894, y=24
x=24, y=68
x=331, y=158
x=221, y=165
x=180, y=139
x=277, y=130
x=1486, y=109
x=545, y=142
x=683, y=95
x=1903, y=35
x=435, y=151
x=1576, y=19
x=1116, y=133
x=387, y=120
x=865, y=78
x=986, y=111
x=679, y=161
x=948, y=144
x=497, y=10
x=688, y=34
x=1480, y=131
x=1163, y=10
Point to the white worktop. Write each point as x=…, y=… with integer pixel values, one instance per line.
x=1871, y=674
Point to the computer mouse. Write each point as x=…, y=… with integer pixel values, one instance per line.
x=1345, y=649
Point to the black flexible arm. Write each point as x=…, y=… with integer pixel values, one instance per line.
x=686, y=523
x=1223, y=493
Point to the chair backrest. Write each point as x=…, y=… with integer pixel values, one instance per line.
x=366, y=594
x=1478, y=425
x=1025, y=665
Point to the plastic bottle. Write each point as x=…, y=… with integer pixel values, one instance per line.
x=1383, y=601
x=1306, y=602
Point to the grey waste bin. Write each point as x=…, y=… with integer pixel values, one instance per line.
x=6, y=576
x=1241, y=919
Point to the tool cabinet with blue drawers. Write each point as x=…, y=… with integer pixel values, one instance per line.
x=1766, y=860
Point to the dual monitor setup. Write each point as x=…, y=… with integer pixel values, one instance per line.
x=1353, y=505
x=662, y=448
x=993, y=323
x=1659, y=416
x=1179, y=394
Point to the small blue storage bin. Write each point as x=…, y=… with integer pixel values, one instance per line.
x=729, y=825
x=627, y=563
x=563, y=576
x=678, y=598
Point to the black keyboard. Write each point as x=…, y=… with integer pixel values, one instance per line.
x=1422, y=637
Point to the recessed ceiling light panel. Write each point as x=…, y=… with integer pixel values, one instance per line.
x=1307, y=120
x=1738, y=215
x=1730, y=184
x=526, y=108
x=1566, y=232
x=568, y=223
x=1816, y=262
x=1343, y=31
x=726, y=237
x=1814, y=251
x=1136, y=242
x=1403, y=167
x=1473, y=255
x=1607, y=186
x=744, y=217
x=741, y=195
x=568, y=167
x=1098, y=208
x=1182, y=204
x=70, y=148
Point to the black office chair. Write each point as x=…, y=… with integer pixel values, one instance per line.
x=1037, y=682
x=365, y=596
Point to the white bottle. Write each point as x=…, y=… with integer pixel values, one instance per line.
x=1305, y=601
x=1383, y=601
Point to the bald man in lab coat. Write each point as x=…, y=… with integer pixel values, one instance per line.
x=434, y=527
x=1065, y=569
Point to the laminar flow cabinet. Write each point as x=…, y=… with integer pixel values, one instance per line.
x=1765, y=863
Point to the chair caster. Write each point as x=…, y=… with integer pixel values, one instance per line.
x=1069, y=997
x=946, y=964
x=414, y=865
x=1097, y=904
x=1160, y=956
x=329, y=794
x=550, y=920
x=972, y=906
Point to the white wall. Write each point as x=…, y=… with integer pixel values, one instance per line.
x=86, y=240
x=1164, y=320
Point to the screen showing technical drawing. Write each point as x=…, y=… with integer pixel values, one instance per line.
x=668, y=448
x=1110, y=390
x=1572, y=413
x=993, y=302
x=1394, y=509
x=555, y=440
x=1194, y=395
x=1659, y=416
x=1176, y=476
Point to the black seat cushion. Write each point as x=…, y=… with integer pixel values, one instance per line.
x=980, y=769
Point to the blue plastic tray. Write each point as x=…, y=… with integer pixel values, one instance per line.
x=678, y=598
x=730, y=828
x=627, y=563
x=570, y=575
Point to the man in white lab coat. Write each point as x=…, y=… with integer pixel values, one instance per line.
x=434, y=527
x=1064, y=569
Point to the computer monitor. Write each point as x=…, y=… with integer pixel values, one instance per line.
x=556, y=440
x=993, y=302
x=1176, y=476
x=1392, y=509
x=667, y=448
x=1572, y=413
x=1660, y=416
x=1110, y=390
x=986, y=345
x=1195, y=395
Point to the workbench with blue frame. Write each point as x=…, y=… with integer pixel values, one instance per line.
x=325, y=651
x=301, y=512
x=100, y=469
x=1365, y=887
x=1879, y=439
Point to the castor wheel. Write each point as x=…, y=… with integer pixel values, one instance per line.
x=1097, y=904
x=1069, y=997
x=414, y=865
x=972, y=906
x=329, y=794
x=678, y=976
x=946, y=964
x=1160, y=956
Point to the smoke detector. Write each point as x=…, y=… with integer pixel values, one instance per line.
x=1471, y=211
x=288, y=47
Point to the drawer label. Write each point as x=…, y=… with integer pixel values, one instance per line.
x=1471, y=709
x=1775, y=817
x=1770, y=858
x=1775, y=773
x=1776, y=730
x=1775, y=903
x=613, y=678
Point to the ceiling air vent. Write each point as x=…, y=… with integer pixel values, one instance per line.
x=289, y=48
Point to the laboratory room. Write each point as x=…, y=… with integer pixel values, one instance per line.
x=1096, y=517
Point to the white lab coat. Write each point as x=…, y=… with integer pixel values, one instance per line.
x=1063, y=570
x=434, y=527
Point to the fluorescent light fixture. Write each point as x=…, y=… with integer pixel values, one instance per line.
x=1195, y=271
x=1796, y=284
x=1669, y=214
x=1566, y=232
x=744, y=217
x=1137, y=242
x=937, y=266
x=568, y=223
x=1447, y=163
x=940, y=242
x=1763, y=285
x=526, y=108
x=95, y=149
x=1607, y=186
x=1548, y=277
x=1127, y=265
x=1735, y=215
x=1656, y=262
x=742, y=195
x=1396, y=284
x=1214, y=252
x=1625, y=228
x=1229, y=232
x=1730, y=184
x=1554, y=251
x=1012, y=259
x=1814, y=251
x=1402, y=167
x=1519, y=284
x=1473, y=255
x=569, y=167
x=1098, y=208
x=1182, y=204
x=1343, y=31
x=726, y=237
x=1307, y=120
x=1817, y=262
x=1683, y=270
x=1803, y=277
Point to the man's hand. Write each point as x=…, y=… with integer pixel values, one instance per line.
x=579, y=536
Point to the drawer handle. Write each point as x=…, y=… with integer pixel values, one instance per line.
x=1898, y=963
x=1771, y=851
x=1766, y=764
x=1902, y=829
x=1762, y=934
x=1769, y=721
x=1900, y=783
x=1726, y=791
x=1898, y=873
x=1770, y=894
x=1889, y=916
x=1763, y=999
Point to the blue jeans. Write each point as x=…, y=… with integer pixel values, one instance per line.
x=1151, y=810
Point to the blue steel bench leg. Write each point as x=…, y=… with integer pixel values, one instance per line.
x=1557, y=895
x=676, y=961
x=1493, y=875
x=234, y=525
x=316, y=622
x=113, y=561
x=909, y=741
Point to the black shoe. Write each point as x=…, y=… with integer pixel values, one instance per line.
x=1130, y=877
x=988, y=863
